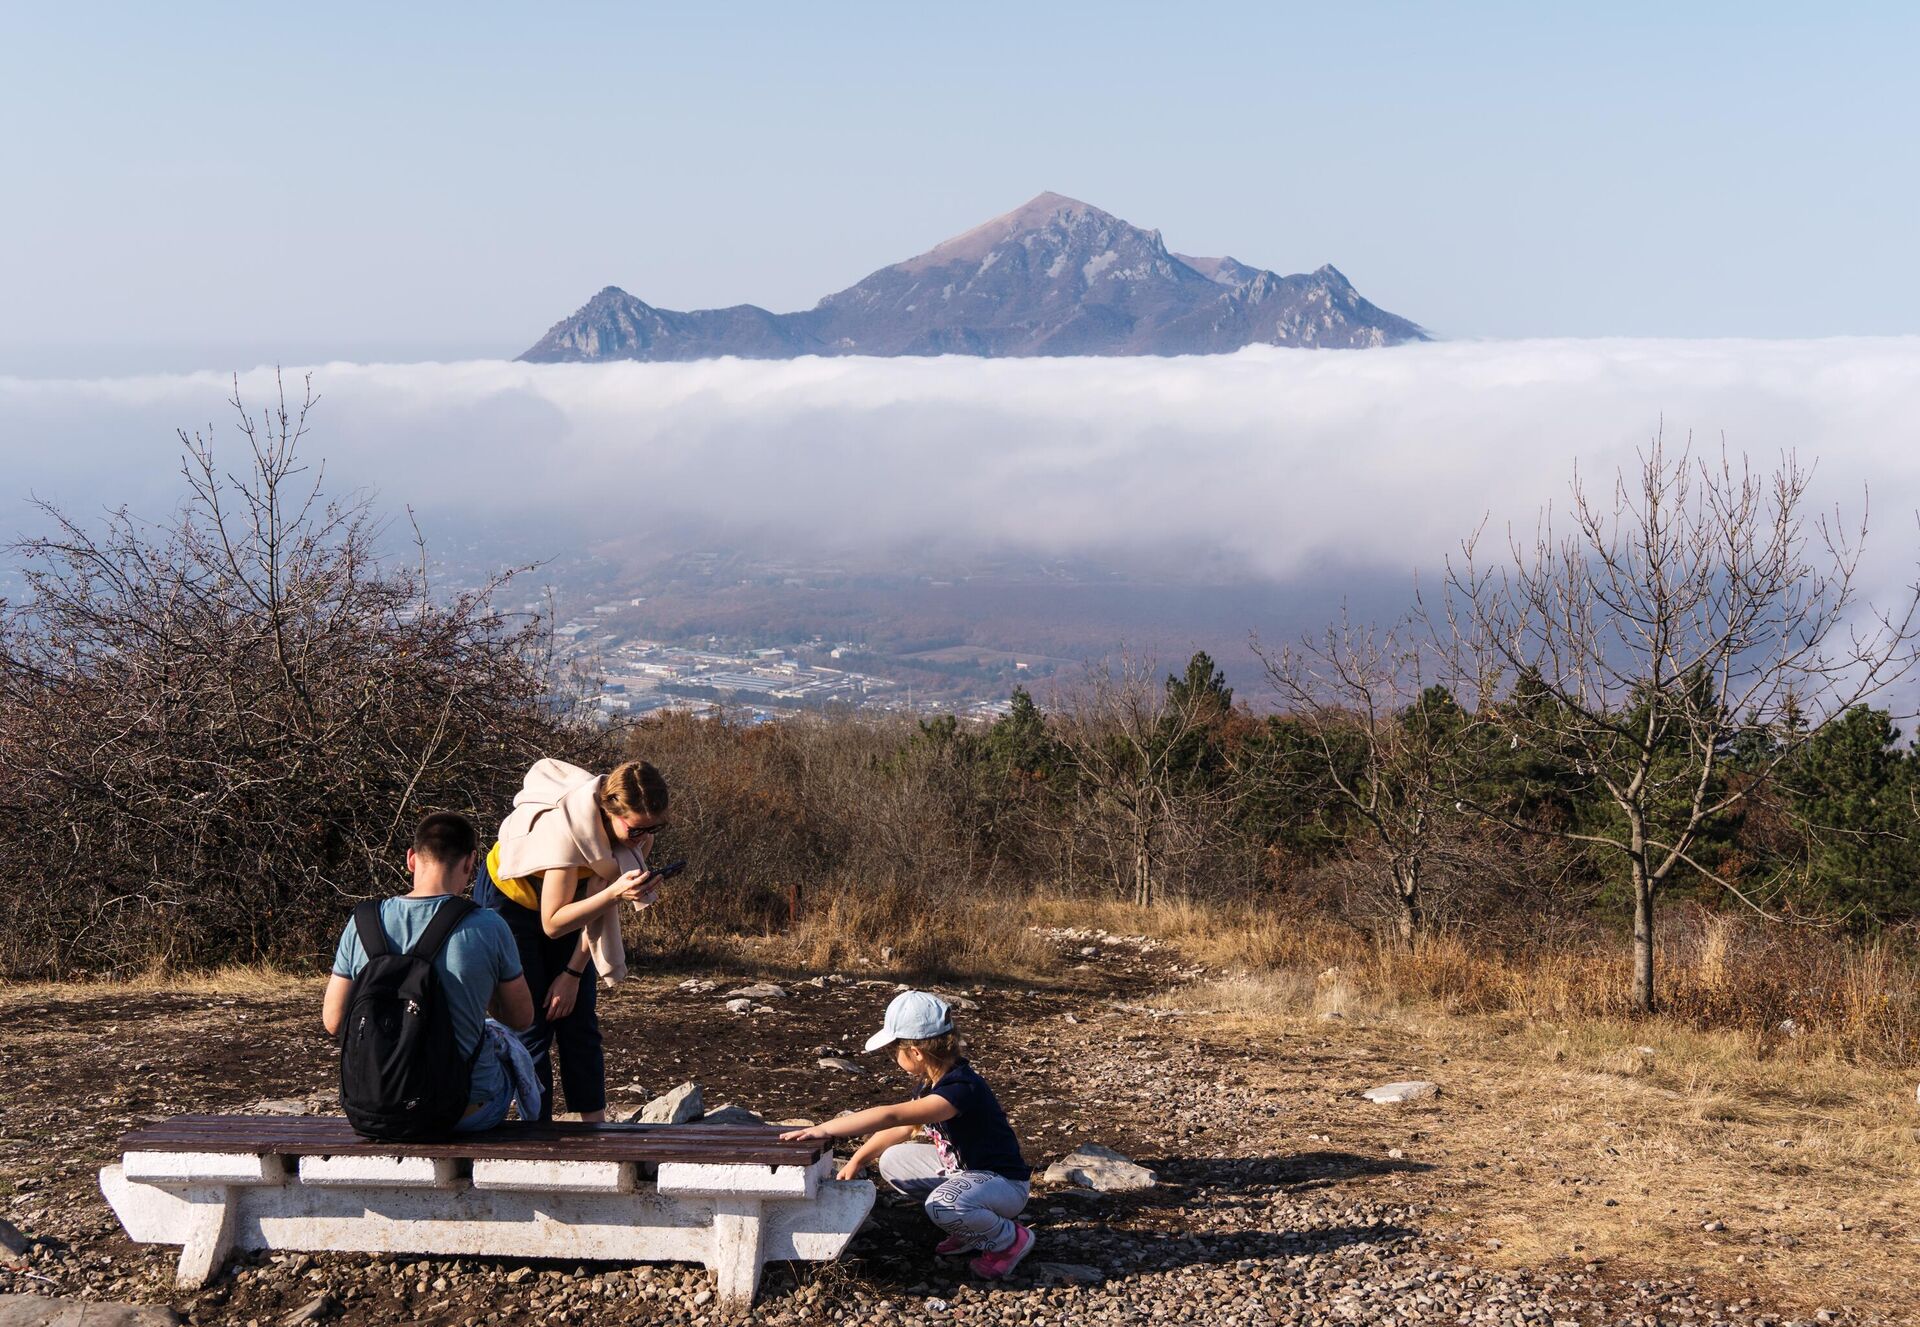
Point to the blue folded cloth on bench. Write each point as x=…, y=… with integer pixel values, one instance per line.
x=524, y=1082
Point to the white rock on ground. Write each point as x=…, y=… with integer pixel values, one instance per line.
x=740, y=1006
x=732, y=1115
x=1394, y=1093
x=1092, y=1166
x=759, y=991
x=680, y=1106
x=312, y=1311
x=841, y=1063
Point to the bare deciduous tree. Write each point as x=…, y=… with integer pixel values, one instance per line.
x=1697, y=613
x=1128, y=738
x=1386, y=748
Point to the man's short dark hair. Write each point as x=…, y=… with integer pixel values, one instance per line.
x=446, y=836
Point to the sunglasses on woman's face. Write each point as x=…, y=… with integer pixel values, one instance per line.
x=636, y=831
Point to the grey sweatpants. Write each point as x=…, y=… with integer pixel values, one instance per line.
x=975, y=1205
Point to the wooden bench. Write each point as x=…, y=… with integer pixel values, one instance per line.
x=731, y=1196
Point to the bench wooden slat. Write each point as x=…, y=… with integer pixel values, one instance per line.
x=735, y=1144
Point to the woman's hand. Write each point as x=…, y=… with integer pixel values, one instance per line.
x=562, y=992
x=641, y=887
x=811, y=1135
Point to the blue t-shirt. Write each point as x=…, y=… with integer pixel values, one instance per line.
x=478, y=956
x=978, y=1137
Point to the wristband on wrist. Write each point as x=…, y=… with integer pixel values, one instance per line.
x=576, y=973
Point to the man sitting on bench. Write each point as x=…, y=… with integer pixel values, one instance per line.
x=478, y=967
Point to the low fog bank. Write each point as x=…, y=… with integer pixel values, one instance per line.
x=1268, y=464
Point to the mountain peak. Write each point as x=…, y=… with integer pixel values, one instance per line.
x=1037, y=213
x=1055, y=276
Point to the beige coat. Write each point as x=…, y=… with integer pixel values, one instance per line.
x=555, y=823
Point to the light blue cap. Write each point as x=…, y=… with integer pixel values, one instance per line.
x=911, y=1016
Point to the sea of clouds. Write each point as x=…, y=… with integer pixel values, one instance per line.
x=1276, y=462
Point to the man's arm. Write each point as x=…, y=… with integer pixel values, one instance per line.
x=333, y=1007
x=513, y=1004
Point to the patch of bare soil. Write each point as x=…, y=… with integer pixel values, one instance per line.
x=1283, y=1199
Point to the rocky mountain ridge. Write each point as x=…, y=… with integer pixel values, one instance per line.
x=1053, y=277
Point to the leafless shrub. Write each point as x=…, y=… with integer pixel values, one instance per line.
x=216, y=731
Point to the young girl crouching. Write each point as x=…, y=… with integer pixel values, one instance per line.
x=971, y=1174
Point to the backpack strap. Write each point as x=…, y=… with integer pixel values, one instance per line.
x=434, y=938
x=373, y=936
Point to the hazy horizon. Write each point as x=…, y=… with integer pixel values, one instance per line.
x=1266, y=462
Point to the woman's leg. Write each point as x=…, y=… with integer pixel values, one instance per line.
x=538, y=1037
x=583, y=1064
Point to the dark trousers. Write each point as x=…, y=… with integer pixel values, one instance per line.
x=583, y=1065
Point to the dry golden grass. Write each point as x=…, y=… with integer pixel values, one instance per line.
x=1617, y=1141
x=1779, y=985
x=1774, y=1095
x=235, y=979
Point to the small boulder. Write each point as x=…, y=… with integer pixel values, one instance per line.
x=798, y=1122
x=312, y=1311
x=278, y=1106
x=839, y=1062
x=731, y=1115
x=13, y=1245
x=823, y=1050
x=759, y=991
x=680, y=1106
x=1092, y=1166
x=742, y=1005
x=1397, y=1093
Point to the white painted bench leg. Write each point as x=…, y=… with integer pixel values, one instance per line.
x=209, y=1236
x=739, y=1240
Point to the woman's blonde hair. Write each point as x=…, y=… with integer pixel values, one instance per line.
x=634, y=789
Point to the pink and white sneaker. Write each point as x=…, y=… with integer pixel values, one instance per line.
x=994, y=1266
x=951, y=1245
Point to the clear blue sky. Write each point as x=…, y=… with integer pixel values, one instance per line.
x=196, y=185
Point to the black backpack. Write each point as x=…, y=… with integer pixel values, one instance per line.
x=402, y=1077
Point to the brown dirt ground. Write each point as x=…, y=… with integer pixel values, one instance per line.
x=1226, y=1109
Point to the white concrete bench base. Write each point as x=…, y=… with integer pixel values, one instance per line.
x=734, y=1219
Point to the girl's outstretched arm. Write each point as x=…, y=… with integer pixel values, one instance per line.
x=869, y=1151
x=922, y=1110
